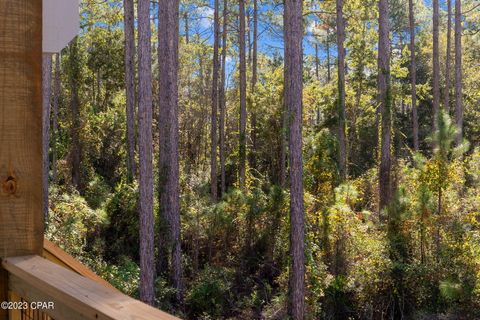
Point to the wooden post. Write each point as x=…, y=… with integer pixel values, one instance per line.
x=21, y=219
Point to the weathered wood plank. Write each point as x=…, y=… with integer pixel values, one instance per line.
x=71, y=291
x=21, y=227
x=14, y=314
x=28, y=293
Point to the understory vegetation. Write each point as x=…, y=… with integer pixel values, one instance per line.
x=236, y=268
x=419, y=257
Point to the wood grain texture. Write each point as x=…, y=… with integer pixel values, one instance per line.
x=75, y=296
x=14, y=314
x=21, y=230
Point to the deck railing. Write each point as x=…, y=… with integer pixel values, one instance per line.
x=45, y=290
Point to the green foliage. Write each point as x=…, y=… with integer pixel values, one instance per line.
x=97, y=192
x=210, y=295
x=236, y=250
x=320, y=161
x=72, y=224
x=121, y=228
x=125, y=276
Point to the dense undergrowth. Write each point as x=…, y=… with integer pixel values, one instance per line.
x=358, y=263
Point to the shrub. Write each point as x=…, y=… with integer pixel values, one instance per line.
x=211, y=294
x=121, y=231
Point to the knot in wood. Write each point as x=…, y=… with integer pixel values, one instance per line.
x=10, y=185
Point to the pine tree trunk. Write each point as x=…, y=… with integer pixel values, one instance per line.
x=327, y=42
x=285, y=106
x=284, y=140
x=243, y=97
x=384, y=95
x=223, y=102
x=145, y=146
x=187, y=29
x=342, y=157
x=317, y=76
x=293, y=93
x=169, y=189
x=56, y=97
x=76, y=148
x=253, y=160
x=448, y=55
x=213, y=127
x=413, y=74
x=129, y=25
x=458, y=71
x=436, y=64
x=317, y=62
x=46, y=90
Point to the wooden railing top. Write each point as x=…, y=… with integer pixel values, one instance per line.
x=74, y=296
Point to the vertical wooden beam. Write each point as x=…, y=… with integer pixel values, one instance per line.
x=21, y=219
x=3, y=292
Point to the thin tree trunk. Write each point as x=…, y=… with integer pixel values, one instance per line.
x=436, y=64
x=147, y=258
x=458, y=71
x=284, y=140
x=76, y=148
x=196, y=243
x=250, y=222
x=448, y=55
x=285, y=106
x=243, y=97
x=317, y=73
x=422, y=235
x=327, y=42
x=385, y=101
x=293, y=89
x=213, y=127
x=187, y=29
x=169, y=189
x=413, y=73
x=437, y=226
x=253, y=159
x=342, y=157
x=223, y=102
x=248, y=28
x=56, y=97
x=47, y=90
x=129, y=21
x=317, y=76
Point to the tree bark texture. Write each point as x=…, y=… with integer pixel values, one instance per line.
x=47, y=92
x=385, y=103
x=129, y=29
x=436, y=64
x=413, y=73
x=242, y=155
x=458, y=71
x=76, y=147
x=223, y=102
x=56, y=99
x=145, y=146
x=213, y=127
x=448, y=61
x=293, y=93
x=253, y=159
x=169, y=188
x=342, y=149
